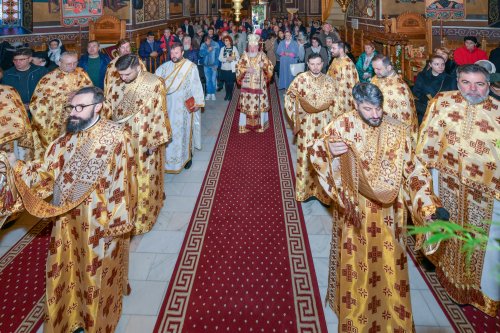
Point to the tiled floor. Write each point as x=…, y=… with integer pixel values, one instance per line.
x=154, y=254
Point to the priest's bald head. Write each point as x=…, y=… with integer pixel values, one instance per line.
x=128, y=67
x=369, y=101
x=68, y=61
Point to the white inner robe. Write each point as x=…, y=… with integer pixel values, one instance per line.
x=186, y=126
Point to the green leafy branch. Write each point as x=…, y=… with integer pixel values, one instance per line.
x=473, y=237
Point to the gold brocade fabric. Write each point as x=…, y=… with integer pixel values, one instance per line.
x=112, y=82
x=254, y=97
x=318, y=91
x=143, y=110
x=47, y=105
x=87, y=261
x=461, y=141
x=345, y=76
x=368, y=284
x=398, y=101
x=14, y=122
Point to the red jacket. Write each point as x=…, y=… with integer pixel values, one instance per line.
x=462, y=56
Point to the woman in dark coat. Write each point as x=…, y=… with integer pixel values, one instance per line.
x=432, y=80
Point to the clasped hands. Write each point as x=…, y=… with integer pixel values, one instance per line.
x=337, y=148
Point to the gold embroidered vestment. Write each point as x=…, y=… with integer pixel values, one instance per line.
x=459, y=143
x=368, y=277
x=88, y=251
x=141, y=105
x=345, y=76
x=310, y=104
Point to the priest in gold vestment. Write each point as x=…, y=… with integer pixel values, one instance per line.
x=51, y=95
x=345, y=75
x=398, y=98
x=112, y=77
x=16, y=139
x=254, y=70
x=460, y=144
x=366, y=163
x=85, y=171
x=310, y=104
x=138, y=100
x=15, y=129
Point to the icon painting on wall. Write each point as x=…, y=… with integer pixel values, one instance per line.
x=80, y=12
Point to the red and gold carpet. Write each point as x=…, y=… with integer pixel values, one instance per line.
x=463, y=318
x=22, y=276
x=245, y=264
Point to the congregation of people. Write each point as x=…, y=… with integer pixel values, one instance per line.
x=88, y=139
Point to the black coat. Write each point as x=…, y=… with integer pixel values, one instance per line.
x=428, y=85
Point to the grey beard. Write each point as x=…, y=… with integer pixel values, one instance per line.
x=252, y=54
x=472, y=99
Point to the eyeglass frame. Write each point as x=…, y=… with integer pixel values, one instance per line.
x=70, y=107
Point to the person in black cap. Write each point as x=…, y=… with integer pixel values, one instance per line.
x=470, y=52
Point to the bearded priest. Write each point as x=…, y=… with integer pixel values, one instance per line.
x=254, y=70
x=366, y=163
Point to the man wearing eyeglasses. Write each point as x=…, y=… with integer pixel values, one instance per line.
x=24, y=76
x=86, y=171
x=142, y=107
x=50, y=97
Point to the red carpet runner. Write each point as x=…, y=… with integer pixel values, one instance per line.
x=464, y=319
x=245, y=264
x=22, y=276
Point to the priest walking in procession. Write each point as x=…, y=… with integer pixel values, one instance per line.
x=366, y=163
x=345, y=75
x=184, y=100
x=460, y=144
x=254, y=70
x=86, y=172
x=139, y=103
x=310, y=102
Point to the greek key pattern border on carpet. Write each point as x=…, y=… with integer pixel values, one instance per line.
x=22, y=243
x=303, y=286
x=31, y=321
x=175, y=311
x=452, y=310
